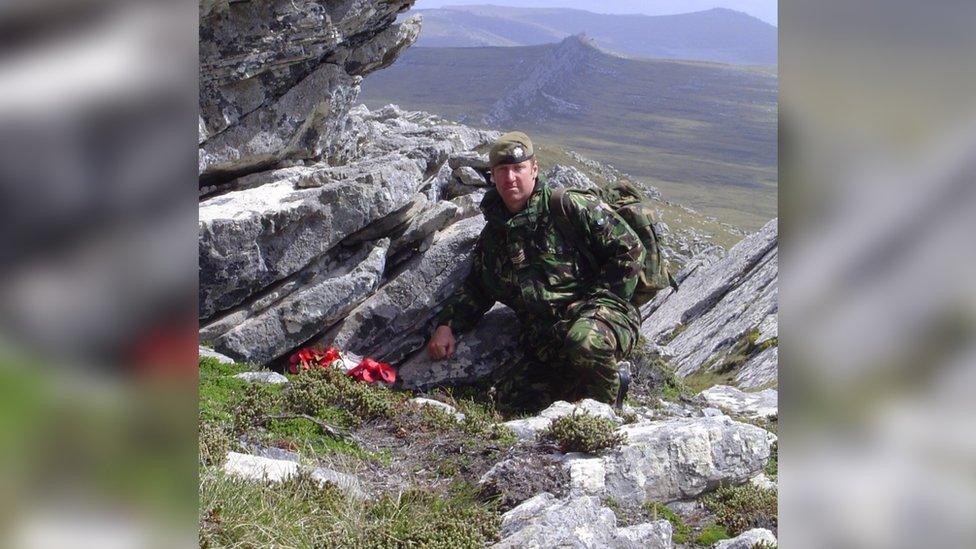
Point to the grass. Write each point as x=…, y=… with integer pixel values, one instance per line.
x=300, y=513
x=680, y=532
x=710, y=534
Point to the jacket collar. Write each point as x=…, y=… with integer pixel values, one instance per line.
x=497, y=214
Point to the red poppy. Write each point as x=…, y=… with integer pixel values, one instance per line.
x=369, y=370
x=310, y=357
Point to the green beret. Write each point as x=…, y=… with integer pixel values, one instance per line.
x=511, y=148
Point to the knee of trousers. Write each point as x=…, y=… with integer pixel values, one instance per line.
x=589, y=344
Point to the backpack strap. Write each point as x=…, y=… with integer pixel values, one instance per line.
x=557, y=210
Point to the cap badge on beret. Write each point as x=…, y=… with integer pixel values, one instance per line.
x=517, y=152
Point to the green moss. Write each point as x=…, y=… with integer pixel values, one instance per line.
x=710, y=534
x=302, y=434
x=763, y=544
x=584, y=433
x=680, y=531
x=742, y=507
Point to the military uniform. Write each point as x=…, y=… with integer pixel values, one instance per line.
x=577, y=319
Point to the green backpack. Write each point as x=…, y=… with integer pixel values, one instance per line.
x=628, y=202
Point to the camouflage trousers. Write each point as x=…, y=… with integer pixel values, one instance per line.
x=579, y=362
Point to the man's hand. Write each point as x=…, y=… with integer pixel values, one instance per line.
x=441, y=343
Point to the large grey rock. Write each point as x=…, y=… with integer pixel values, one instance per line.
x=673, y=459
x=719, y=308
x=577, y=522
x=277, y=78
x=479, y=352
x=747, y=539
x=321, y=302
x=252, y=238
x=763, y=404
x=394, y=321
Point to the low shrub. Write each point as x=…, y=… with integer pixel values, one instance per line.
x=740, y=508
x=584, y=433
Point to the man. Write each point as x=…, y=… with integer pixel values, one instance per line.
x=576, y=318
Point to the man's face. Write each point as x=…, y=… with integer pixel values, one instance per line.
x=515, y=183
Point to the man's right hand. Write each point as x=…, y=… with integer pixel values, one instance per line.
x=441, y=343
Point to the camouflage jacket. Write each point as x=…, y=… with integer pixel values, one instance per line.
x=523, y=261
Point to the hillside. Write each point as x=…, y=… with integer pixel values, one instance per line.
x=719, y=35
x=704, y=134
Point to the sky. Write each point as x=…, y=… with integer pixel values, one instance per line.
x=767, y=10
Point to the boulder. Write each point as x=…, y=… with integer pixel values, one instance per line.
x=210, y=353
x=252, y=238
x=673, y=459
x=577, y=522
x=763, y=404
x=761, y=370
x=480, y=351
x=264, y=469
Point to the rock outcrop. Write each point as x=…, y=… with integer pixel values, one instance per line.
x=724, y=315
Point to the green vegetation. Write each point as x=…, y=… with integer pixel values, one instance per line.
x=772, y=466
x=710, y=534
x=680, y=532
x=301, y=513
x=763, y=544
x=584, y=433
x=739, y=508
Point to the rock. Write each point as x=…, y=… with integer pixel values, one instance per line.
x=529, y=428
x=470, y=159
x=711, y=412
x=469, y=204
x=277, y=78
x=747, y=539
x=491, y=343
x=708, y=323
x=347, y=483
x=438, y=405
x=763, y=404
x=471, y=177
x=544, y=521
x=272, y=378
x=252, y=238
x=223, y=359
x=673, y=459
x=649, y=535
x=763, y=481
x=432, y=219
x=577, y=522
x=271, y=452
x=760, y=370
x=568, y=177
x=259, y=468
x=394, y=321
x=321, y=301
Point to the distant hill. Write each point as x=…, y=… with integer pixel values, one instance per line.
x=720, y=35
x=703, y=133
